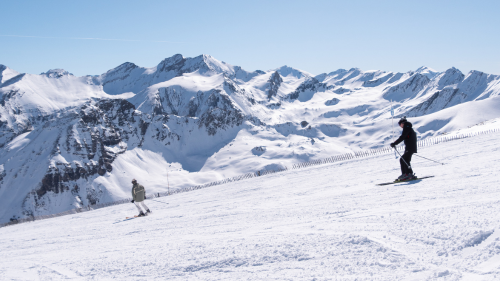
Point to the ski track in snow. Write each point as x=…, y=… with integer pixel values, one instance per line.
x=327, y=222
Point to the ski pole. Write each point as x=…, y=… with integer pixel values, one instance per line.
x=402, y=158
x=392, y=135
x=430, y=159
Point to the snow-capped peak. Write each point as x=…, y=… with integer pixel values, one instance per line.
x=453, y=70
x=218, y=66
x=323, y=76
x=6, y=73
x=338, y=71
x=123, y=66
x=427, y=71
x=56, y=73
x=203, y=63
x=168, y=63
x=449, y=77
x=286, y=71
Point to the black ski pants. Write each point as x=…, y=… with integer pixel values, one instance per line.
x=404, y=166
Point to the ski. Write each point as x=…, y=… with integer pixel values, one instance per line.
x=137, y=216
x=126, y=219
x=397, y=181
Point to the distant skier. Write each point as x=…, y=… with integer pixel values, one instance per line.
x=138, y=197
x=410, y=138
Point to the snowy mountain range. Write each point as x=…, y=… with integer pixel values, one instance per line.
x=68, y=142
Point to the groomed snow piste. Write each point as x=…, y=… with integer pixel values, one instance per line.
x=327, y=222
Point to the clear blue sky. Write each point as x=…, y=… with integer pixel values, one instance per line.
x=315, y=36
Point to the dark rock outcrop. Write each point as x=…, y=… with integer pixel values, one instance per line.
x=274, y=84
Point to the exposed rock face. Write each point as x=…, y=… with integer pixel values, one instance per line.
x=96, y=136
x=128, y=77
x=342, y=90
x=378, y=81
x=220, y=114
x=213, y=110
x=56, y=73
x=274, y=85
x=449, y=77
x=440, y=100
x=2, y=173
x=259, y=150
x=342, y=77
x=120, y=73
x=311, y=85
x=92, y=136
x=2, y=69
x=104, y=129
x=332, y=102
x=452, y=88
x=408, y=88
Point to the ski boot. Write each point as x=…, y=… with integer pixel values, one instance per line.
x=402, y=177
x=408, y=177
x=411, y=177
x=148, y=212
x=141, y=214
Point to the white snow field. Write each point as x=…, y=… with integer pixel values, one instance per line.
x=326, y=222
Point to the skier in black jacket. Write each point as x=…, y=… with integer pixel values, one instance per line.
x=410, y=138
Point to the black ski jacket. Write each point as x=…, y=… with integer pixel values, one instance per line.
x=409, y=137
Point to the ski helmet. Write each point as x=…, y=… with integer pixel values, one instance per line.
x=134, y=181
x=402, y=120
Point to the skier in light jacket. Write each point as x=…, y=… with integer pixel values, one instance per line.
x=138, y=197
x=410, y=139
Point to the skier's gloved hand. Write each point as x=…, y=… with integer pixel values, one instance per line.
x=145, y=197
x=393, y=145
x=132, y=201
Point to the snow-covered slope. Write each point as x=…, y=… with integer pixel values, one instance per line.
x=327, y=222
x=71, y=141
